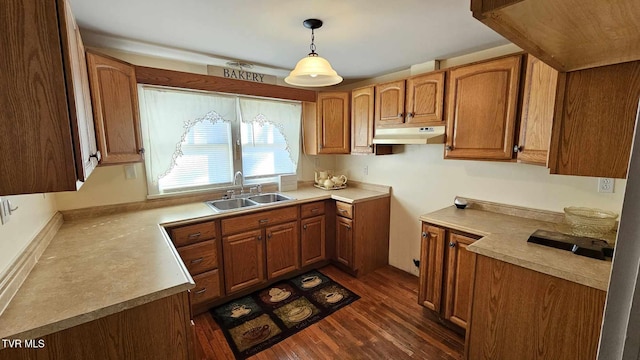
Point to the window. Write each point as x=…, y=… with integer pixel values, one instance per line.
x=198, y=140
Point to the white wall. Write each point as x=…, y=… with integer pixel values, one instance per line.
x=423, y=181
x=34, y=211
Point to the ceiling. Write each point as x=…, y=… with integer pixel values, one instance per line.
x=361, y=38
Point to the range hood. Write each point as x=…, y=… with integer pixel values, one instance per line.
x=410, y=135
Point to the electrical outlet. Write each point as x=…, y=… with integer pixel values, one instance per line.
x=605, y=185
x=5, y=211
x=130, y=172
x=366, y=170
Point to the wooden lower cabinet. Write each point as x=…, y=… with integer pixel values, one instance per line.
x=519, y=313
x=160, y=329
x=446, y=273
x=344, y=241
x=283, y=254
x=312, y=240
x=243, y=260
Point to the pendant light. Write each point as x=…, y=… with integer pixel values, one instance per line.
x=313, y=70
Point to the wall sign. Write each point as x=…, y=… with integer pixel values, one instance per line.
x=240, y=74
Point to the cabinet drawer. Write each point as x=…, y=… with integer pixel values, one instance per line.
x=312, y=209
x=190, y=234
x=200, y=257
x=344, y=209
x=257, y=220
x=207, y=287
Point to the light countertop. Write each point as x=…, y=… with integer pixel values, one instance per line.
x=504, y=237
x=98, y=266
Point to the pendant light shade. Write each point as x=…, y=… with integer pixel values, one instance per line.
x=313, y=70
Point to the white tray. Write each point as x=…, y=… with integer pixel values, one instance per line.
x=333, y=188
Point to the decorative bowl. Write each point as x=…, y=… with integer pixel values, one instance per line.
x=589, y=222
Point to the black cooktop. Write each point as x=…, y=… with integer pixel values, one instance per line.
x=585, y=246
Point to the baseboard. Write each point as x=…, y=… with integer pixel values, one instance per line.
x=22, y=266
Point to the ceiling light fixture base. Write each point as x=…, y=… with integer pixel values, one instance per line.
x=312, y=24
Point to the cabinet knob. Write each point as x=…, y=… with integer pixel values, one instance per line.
x=97, y=156
x=370, y=146
x=269, y=236
x=410, y=114
x=424, y=234
x=452, y=244
x=304, y=226
x=259, y=237
x=400, y=115
x=449, y=147
x=141, y=151
x=517, y=148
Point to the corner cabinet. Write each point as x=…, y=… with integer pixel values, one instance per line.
x=482, y=101
x=115, y=107
x=362, y=235
x=313, y=239
x=446, y=273
x=47, y=140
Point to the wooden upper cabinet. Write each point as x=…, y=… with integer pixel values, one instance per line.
x=431, y=267
x=333, y=127
x=362, y=112
x=536, y=120
x=557, y=31
x=115, y=105
x=425, y=99
x=460, y=264
x=594, y=122
x=45, y=122
x=390, y=103
x=482, y=102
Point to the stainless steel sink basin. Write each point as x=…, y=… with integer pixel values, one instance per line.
x=231, y=204
x=269, y=198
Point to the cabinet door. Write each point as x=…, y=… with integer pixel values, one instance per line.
x=115, y=105
x=362, y=109
x=79, y=98
x=425, y=99
x=460, y=263
x=482, y=101
x=283, y=252
x=344, y=241
x=539, y=95
x=313, y=240
x=595, y=117
x=243, y=260
x=333, y=123
x=431, y=266
x=390, y=104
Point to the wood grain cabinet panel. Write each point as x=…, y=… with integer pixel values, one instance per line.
x=312, y=240
x=115, y=106
x=244, y=264
x=425, y=99
x=519, y=313
x=431, y=267
x=283, y=252
x=362, y=123
x=333, y=123
x=208, y=287
x=46, y=126
x=594, y=121
x=460, y=264
x=482, y=103
x=390, y=103
x=200, y=257
x=344, y=241
x=536, y=119
x=190, y=234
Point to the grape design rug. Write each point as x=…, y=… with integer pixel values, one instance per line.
x=257, y=321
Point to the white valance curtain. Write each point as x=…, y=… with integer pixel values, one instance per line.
x=285, y=116
x=167, y=116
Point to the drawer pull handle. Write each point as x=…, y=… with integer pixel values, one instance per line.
x=314, y=210
x=201, y=291
x=263, y=221
x=197, y=261
x=195, y=235
x=342, y=210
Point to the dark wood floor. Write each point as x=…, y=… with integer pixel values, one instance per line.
x=386, y=323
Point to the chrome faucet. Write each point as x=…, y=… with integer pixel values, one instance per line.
x=238, y=178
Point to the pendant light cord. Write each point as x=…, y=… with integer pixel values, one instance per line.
x=313, y=45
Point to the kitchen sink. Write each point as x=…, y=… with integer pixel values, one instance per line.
x=231, y=204
x=269, y=198
x=245, y=201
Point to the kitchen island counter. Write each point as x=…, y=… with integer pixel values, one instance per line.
x=504, y=237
